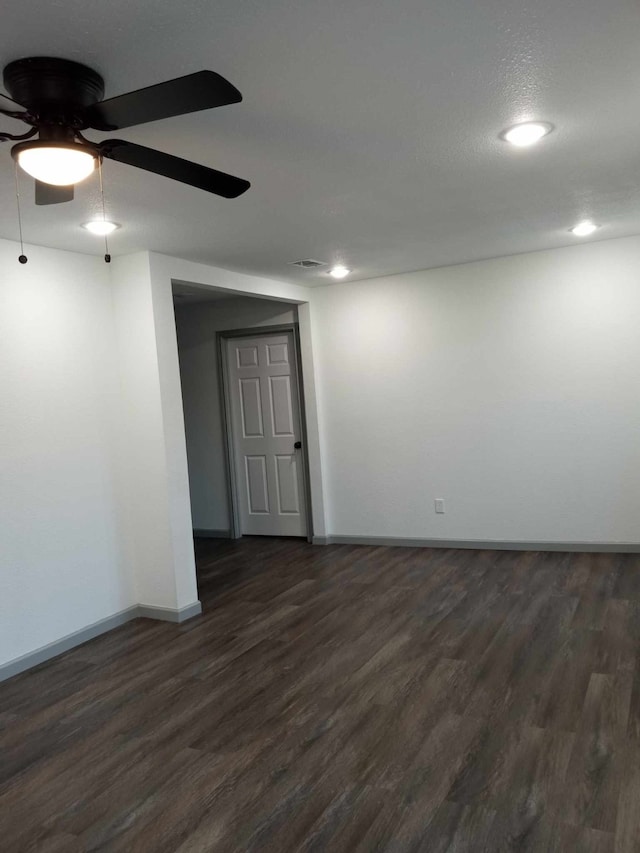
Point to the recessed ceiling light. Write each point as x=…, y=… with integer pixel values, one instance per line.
x=100, y=227
x=527, y=133
x=339, y=271
x=583, y=229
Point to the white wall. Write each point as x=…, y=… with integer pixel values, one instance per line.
x=197, y=325
x=62, y=565
x=167, y=269
x=508, y=387
x=154, y=494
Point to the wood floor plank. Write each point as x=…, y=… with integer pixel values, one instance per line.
x=343, y=698
x=594, y=774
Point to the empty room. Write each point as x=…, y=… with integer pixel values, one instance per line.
x=320, y=426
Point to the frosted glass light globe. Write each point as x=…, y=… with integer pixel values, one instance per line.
x=56, y=165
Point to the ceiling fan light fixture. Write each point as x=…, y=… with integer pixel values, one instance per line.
x=61, y=97
x=60, y=164
x=100, y=227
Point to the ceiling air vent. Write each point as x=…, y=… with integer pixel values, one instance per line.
x=308, y=264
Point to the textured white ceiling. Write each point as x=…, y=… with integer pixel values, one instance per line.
x=368, y=127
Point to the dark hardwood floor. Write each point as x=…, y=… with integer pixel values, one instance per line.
x=343, y=699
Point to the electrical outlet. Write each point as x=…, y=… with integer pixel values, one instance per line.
x=439, y=504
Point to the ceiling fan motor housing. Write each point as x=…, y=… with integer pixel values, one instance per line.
x=56, y=90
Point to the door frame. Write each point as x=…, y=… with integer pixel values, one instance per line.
x=227, y=429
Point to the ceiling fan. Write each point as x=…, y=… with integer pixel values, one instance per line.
x=60, y=99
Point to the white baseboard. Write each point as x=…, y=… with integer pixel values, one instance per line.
x=168, y=614
x=482, y=544
x=77, y=638
x=206, y=533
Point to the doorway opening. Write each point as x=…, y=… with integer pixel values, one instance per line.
x=244, y=413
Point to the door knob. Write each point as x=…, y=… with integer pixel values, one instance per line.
x=297, y=445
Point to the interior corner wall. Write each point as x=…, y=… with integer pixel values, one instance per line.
x=94, y=500
x=312, y=405
x=197, y=326
x=62, y=565
x=508, y=387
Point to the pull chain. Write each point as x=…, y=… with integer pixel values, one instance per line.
x=107, y=256
x=23, y=258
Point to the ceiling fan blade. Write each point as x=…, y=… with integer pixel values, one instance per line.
x=11, y=103
x=11, y=108
x=200, y=91
x=209, y=180
x=50, y=194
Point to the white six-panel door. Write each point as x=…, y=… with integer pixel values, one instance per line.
x=265, y=425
